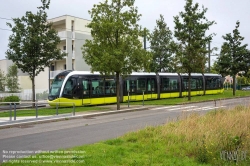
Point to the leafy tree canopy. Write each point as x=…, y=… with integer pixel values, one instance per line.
x=33, y=44
x=116, y=46
x=191, y=28
x=2, y=80
x=161, y=45
x=234, y=57
x=12, y=79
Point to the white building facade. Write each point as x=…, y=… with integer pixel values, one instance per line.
x=73, y=33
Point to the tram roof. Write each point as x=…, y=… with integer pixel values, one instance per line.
x=211, y=74
x=199, y=74
x=168, y=74
x=145, y=73
x=98, y=73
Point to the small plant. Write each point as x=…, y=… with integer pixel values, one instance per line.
x=12, y=98
x=202, y=154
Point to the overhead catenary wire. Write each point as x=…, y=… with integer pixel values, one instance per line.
x=6, y=18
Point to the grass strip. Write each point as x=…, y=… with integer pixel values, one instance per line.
x=172, y=101
x=50, y=111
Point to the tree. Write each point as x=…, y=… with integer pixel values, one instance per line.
x=116, y=48
x=190, y=31
x=241, y=80
x=33, y=44
x=12, y=79
x=161, y=47
x=2, y=80
x=214, y=68
x=234, y=57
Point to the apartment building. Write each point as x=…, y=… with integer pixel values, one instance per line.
x=73, y=33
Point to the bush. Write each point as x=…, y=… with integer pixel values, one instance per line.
x=11, y=99
x=42, y=96
x=1, y=100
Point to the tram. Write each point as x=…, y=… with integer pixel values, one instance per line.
x=86, y=88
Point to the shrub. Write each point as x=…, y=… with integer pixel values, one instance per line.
x=11, y=99
x=42, y=96
x=1, y=100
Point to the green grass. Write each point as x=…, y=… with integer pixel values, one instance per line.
x=173, y=101
x=50, y=111
x=193, y=140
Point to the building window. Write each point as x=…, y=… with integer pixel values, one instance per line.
x=64, y=47
x=64, y=66
x=52, y=68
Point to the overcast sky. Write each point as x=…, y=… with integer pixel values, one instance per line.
x=224, y=12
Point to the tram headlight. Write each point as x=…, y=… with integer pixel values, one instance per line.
x=51, y=98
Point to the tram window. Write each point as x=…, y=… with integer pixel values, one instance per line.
x=185, y=83
x=110, y=86
x=199, y=83
x=85, y=87
x=169, y=84
x=212, y=83
x=132, y=85
x=55, y=90
x=141, y=85
x=193, y=84
x=97, y=87
x=151, y=85
x=68, y=88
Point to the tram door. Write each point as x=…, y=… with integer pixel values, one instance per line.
x=84, y=90
x=131, y=89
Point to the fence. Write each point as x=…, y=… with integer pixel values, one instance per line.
x=26, y=96
x=25, y=110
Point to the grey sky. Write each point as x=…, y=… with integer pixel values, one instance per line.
x=224, y=12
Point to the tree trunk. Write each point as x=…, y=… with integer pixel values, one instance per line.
x=234, y=84
x=118, y=90
x=189, y=86
x=33, y=91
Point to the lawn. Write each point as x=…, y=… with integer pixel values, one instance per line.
x=51, y=111
x=173, y=101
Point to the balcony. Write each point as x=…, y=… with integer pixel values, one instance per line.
x=63, y=35
x=73, y=54
x=54, y=73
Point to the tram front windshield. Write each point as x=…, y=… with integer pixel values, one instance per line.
x=56, y=85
